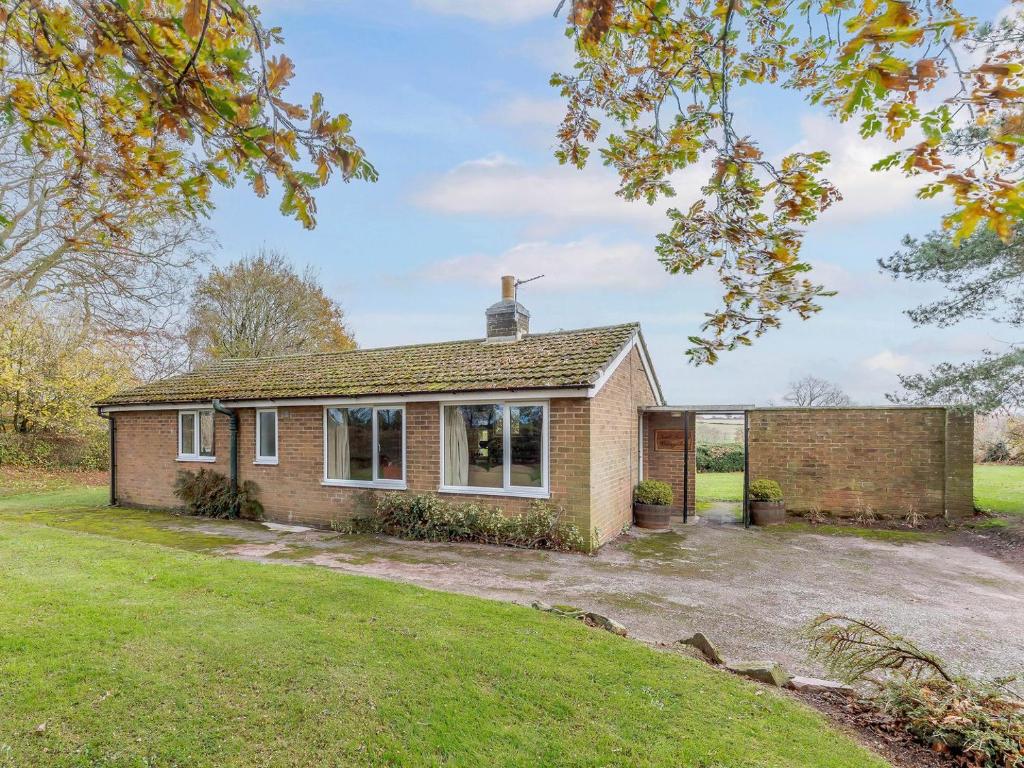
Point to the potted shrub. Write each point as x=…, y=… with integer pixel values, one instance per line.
x=766, y=504
x=652, y=505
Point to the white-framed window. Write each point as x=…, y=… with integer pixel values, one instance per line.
x=266, y=436
x=195, y=435
x=364, y=446
x=498, y=448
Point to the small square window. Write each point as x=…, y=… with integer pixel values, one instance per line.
x=195, y=436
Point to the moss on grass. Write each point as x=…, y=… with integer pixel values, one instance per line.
x=655, y=546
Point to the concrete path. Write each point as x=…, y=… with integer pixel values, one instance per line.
x=751, y=591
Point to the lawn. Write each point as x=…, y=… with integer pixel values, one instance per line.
x=999, y=488
x=719, y=486
x=117, y=652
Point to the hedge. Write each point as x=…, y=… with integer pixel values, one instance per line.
x=719, y=457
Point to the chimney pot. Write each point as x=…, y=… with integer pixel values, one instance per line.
x=508, y=288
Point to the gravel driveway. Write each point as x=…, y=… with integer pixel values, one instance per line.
x=750, y=591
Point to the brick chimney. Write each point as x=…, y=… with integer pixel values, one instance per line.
x=507, y=320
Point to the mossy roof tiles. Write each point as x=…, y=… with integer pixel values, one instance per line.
x=562, y=359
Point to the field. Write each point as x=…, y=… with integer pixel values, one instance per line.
x=719, y=486
x=999, y=488
x=120, y=650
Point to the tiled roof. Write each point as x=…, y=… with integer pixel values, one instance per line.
x=543, y=360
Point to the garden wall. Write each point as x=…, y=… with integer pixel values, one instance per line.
x=844, y=461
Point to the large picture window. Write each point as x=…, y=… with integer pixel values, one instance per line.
x=497, y=448
x=365, y=446
x=195, y=436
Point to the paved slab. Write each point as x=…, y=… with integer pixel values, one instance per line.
x=750, y=591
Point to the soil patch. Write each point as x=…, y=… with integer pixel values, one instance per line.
x=875, y=730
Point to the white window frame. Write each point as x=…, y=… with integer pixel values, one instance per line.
x=507, y=489
x=377, y=482
x=277, y=438
x=194, y=455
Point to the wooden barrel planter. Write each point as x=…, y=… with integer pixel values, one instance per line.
x=767, y=512
x=654, y=517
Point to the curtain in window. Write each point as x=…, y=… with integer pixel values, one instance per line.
x=338, y=463
x=456, y=448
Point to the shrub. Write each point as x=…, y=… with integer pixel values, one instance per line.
x=765, y=490
x=86, y=450
x=426, y=517
x=653, y=492
x=719, y=457
x=208, y=494
x=996, y=452
x=980, y=724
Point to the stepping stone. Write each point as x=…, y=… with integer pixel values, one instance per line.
x=816, y=685
x=767, y=672
x=611, y=625
x=282, y=528
x=699, y=641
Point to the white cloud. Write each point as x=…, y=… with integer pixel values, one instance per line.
x=529, y=111
x=888, y=361
x=588, y=263
x=559, y=196
x=492, y=11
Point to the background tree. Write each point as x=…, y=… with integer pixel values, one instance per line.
x=662, y=73
x=51, y=372
x=812, y=392
x=122, y=269
x=984, y=278
x=261, y=306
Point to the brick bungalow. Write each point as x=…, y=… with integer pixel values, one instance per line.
x=506, y=419
x=575, y=417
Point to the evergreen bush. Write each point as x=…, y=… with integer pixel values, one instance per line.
x=427, y=517
x=208, y=494
x=653, y=492
x=719, y=457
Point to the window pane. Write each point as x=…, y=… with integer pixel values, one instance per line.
x=187, y=435
x=473, y=448
x=206, y=433
x=337, y=444
x=350, y=443
x=389, y=443
x=268, y=434
x=527, y=427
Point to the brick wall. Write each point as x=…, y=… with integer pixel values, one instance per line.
x=614, y=451
x=845, y=460
x=668, y=465
x=959, y=463
x=291, y=491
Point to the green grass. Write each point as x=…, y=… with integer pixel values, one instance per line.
x=138, y=654
x=719, y=486
x=999, y=488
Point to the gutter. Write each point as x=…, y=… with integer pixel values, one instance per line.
x=233, y=415
x=113, y=455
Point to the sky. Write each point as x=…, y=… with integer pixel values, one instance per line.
x=451, y=101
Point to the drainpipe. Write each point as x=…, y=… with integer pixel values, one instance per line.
x=113, y=456
x=233, y=431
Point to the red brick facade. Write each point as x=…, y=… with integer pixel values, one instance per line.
x=669, y=465
x=844, y=461
x=614, y=441
x=592, y=458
